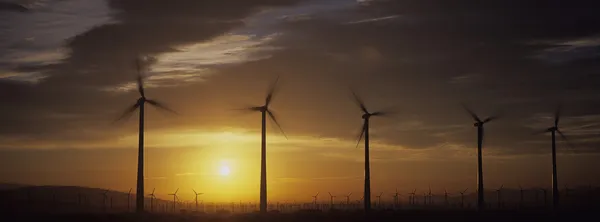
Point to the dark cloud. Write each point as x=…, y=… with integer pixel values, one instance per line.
x=425, y=57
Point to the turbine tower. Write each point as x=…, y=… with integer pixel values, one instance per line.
x=365, y=132
x=553, y=130
x=479, y=124
x=139, y=104
x=264, y=110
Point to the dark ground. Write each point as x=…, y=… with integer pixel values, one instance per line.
x=454, y=215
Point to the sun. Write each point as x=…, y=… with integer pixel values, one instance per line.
x=224, y=171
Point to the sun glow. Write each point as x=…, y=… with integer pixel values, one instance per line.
x=224, y=171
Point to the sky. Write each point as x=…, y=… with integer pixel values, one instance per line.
x=67, y=73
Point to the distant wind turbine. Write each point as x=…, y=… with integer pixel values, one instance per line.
x=129, y=200
x=462, y=198
x=411, y=198
x=396, y=198
x=139, y=104
x=521, y=196
x=196, y=199
x=331, y=199
x=104, y=197
x=174, y=198
x=379, y=200
x=553, y=130
x=315, y=199
x=348, y=198
x=365, y=132
x=446, y=197
x=499, y=196
x=479, y=124
x=264, y=110
x=152, y=197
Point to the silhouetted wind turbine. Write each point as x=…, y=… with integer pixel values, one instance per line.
x=479, y=124
x=263, y=151
x=429, y=196
x=196, y=199
x=553, y=130
x=139, y=104
x=152, y=197
x=104, y=197
x=365, y=132
x=521, y=196
x=331, y=199
x=499, y=195
x=545, y=196
x=396, y=197
x=462, y=198
x=379, y=199
x=411, y=198
x=446, y=197
x=129, y=200
x=315, y=198
x=174, y=199
x=348, y=198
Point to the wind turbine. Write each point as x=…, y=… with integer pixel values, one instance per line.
x=379, y=199
x=264, y=110
x=479, y=124
x=315, y=199
x=331, y=199
x=139, y=104
x=499, y=195
x=521, y=196
x=545, y=191
x=446, y=197
x=553, y=130
x=152, y=197
x=129, y=200
x=462, y=198
x=196, y=199
x=429, y=195
x=104, y=197
x=365, y=132
x=411, y=198
x=174, y=199
x=396, y=195
x=348, y=198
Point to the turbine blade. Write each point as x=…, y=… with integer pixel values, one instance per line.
x=379, y=114
x=495, y=117
x=195, y=192
x=475, y=117
x=176, y=191
x=540, y=132
x=153, y=191
x=128, y=112
x=557, y=115
x=566, y=139
x=272, y=89
x=276, y=123
x=161, y=106
x=362, y=133
x=140, y=83
x=359, y=102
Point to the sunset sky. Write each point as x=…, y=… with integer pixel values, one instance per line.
x=67, y=72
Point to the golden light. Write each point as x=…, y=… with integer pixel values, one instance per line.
x=224, y=171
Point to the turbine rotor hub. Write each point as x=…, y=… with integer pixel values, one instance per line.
x=366, y=116
x=477, y=124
